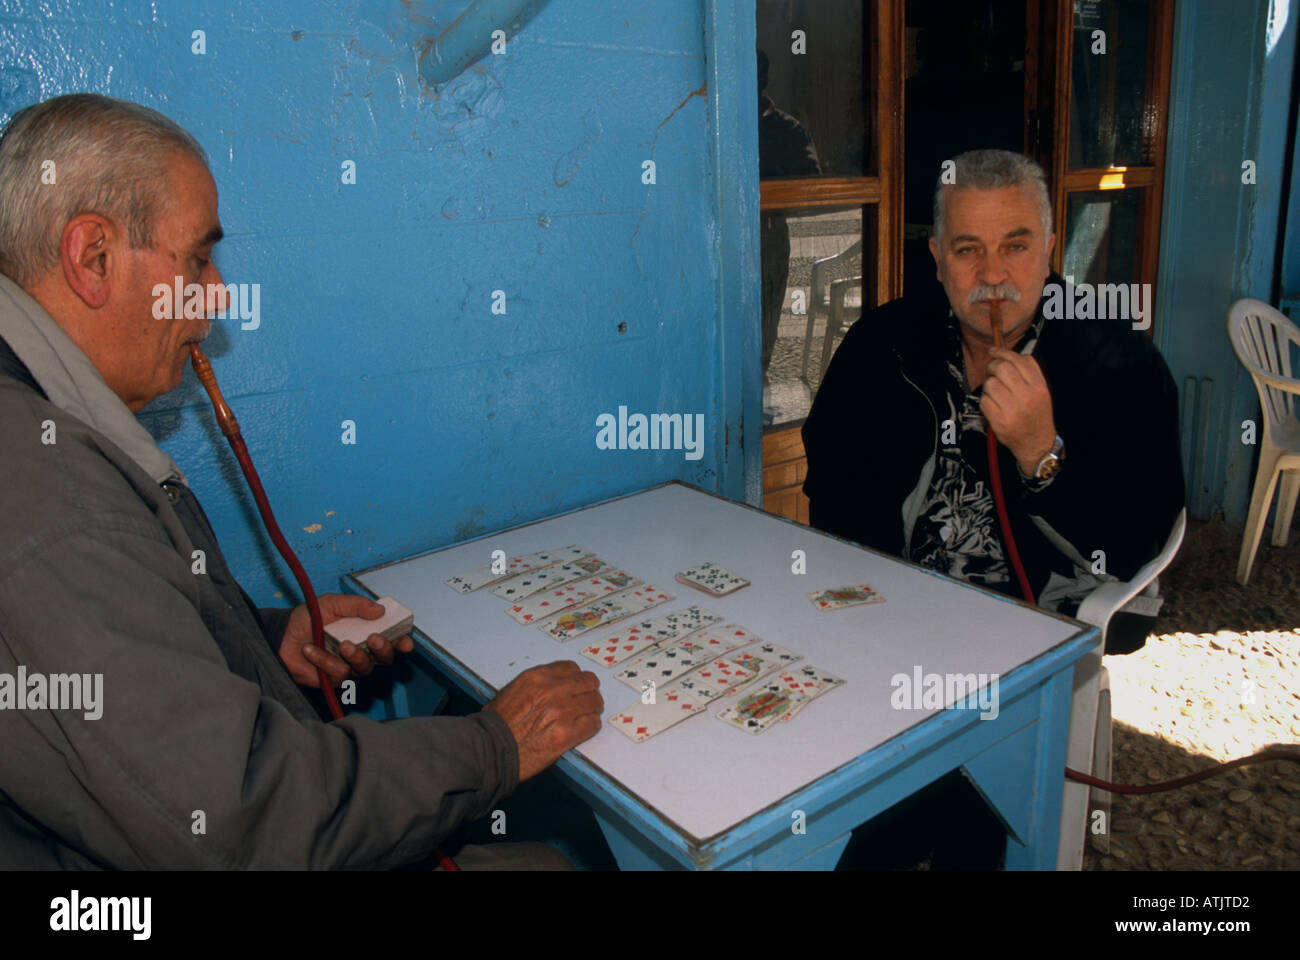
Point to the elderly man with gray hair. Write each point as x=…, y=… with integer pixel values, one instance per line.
x=203, y=752
x=1084, y=411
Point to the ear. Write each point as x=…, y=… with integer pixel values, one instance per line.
x=1051, y=244
x=938, y=265
x=88, y=249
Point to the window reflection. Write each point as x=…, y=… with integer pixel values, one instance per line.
x=814, y=51
x=1109, y=83
x=1101, y=235
x=813, y=291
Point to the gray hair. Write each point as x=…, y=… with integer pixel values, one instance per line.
x=109, y=157
x=993, y=170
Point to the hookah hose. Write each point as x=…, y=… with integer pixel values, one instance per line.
x=995, y=477
x=1274, y=752
x=230, y=427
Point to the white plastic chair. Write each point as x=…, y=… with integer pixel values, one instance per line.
x=1262, y=338
x=1089, y=746
x=833, y=278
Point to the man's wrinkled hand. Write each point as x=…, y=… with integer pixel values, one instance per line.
x=303, y=658
x=550, y=709
x=1018, y=406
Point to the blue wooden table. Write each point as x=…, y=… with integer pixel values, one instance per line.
x=705, y=796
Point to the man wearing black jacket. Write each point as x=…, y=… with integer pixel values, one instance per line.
x=1085, y=413
x=1084, y=410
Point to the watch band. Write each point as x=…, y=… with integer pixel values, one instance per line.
x=1051, y=462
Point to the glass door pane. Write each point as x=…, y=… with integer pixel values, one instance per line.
x=1102, y=231
x=1108, y=83
x=814, y=289
x=816, y=88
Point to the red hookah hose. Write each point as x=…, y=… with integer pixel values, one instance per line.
x=995, y=476
x=1003, y=520
x=1276, y=752
x=230, y=427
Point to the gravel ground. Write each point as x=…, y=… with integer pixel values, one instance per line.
x=1219, y=679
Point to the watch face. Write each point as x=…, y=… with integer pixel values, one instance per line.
x=1047, y=469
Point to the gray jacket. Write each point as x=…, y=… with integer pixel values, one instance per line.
x=205, y=753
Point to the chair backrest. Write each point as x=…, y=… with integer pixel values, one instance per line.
x=1099, y=606
x=1262, y=337
x=843, y=265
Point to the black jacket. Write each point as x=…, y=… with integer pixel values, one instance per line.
x=872, y=436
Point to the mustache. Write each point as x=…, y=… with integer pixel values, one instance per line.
x=1006, y=290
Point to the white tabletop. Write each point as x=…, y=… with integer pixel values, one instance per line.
x=703, y=775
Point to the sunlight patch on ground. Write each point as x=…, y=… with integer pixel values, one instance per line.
x=1221, y=695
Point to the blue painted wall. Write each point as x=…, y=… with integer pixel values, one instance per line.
x=1230, y=96
x=524, y=175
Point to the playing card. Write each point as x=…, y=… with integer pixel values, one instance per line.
x=618, y=646
x=762, y=659
x=472, y=580
x=642, y=721
x=670, y=660
x=712, y=578
x=662, y=664
x=573, y=623
x=756, y=711
x=542, y=605
x=811, y=681
x=533, y=581
x=546, y=604
x=723, y=639
x=710, y=680
x=395, y=622
x=851, y=596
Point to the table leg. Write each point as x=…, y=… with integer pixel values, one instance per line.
x=631, y=850
x=1021, y=778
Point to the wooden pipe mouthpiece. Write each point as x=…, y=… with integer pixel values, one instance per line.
x=995, y=321
x=203, y=370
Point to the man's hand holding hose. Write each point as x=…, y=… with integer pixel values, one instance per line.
x=1016, y=402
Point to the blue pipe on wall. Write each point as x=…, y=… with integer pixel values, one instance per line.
x=468, y=38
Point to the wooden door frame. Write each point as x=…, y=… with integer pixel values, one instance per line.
x=784, y=463
x=1048, y=123
x=883, y=187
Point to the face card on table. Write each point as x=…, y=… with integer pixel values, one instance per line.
x=767, y=704
x=837, y=598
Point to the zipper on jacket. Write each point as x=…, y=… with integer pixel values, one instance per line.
x=927, y=471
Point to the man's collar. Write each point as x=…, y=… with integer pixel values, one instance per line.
x=72, y=383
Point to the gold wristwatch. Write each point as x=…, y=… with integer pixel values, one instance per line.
x=1051, y=463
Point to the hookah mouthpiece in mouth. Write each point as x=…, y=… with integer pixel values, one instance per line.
x=995, y=321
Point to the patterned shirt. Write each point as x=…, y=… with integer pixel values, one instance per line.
x=957, y=530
